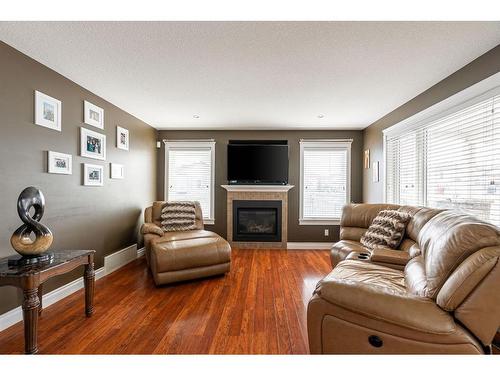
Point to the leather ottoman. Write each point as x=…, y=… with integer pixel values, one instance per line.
x=196, y=256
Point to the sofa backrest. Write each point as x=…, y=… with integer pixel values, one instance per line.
x=152, y=214
x=447, y=240
x=459, y=268
x=356, y=218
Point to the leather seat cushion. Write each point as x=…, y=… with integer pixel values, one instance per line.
x=187, y=235
x=341, y=249
x=188, y=253
x=379, y=292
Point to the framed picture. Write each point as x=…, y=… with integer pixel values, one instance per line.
x=93, y=175
x=122, y=139
x=92, y=144
x=47, y=111
x=117, y=171
x=93, y=115
x=367, y=159
x=59, y=163
x=375, y=175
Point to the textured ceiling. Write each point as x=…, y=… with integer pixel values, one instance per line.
x=254, y=75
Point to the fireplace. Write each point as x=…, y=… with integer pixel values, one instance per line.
x=258, y=221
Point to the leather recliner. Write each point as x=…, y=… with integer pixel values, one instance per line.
x=355, y=220
x=446, y=300
x=186, y=255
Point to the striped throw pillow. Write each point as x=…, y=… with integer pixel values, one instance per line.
x=387, y=229
x=178, y=216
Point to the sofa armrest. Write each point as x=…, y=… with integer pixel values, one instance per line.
x=386, y=255
x=150, y=228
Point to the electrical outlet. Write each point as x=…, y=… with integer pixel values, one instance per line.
x=326, y=233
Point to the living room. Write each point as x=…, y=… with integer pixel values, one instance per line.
x=230, y=185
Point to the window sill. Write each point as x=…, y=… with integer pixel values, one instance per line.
x=319, y=221
x=208, y=221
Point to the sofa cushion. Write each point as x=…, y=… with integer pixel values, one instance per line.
x=188, y=235
x=379, y=292
x=387, y=229
x=178, y=216
x=419, y=217
x=341, y=249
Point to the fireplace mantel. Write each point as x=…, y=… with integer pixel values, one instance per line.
x=261, y=193
x=258, y=188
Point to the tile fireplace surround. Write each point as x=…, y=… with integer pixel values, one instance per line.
x=259, y=193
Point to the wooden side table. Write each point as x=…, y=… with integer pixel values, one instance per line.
x=31, y=278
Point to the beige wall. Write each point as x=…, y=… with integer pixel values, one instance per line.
x=479, y=69
x=296, y=232
x=102, y=218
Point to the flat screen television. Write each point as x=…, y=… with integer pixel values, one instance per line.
x=257, y=162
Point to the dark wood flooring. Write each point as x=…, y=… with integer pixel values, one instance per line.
x=259, y=307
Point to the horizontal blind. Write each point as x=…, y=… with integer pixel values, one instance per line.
x=404, y=183
x=452, y=162
x=463, y=164
x=324, y=182
x=190, y=175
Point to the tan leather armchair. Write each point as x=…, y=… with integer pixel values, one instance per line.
x=355, y=220
x=180, y=256
x=446, y=300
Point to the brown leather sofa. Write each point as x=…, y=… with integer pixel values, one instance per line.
x=355, y=220
x=180, y=256
x=446, y=300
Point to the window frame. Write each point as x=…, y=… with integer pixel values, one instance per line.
x=342, y=144
x=202, y=144
x=484, y=90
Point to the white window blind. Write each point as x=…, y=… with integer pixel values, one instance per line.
x=190, y=174
x=325, y=180
x=451, y=162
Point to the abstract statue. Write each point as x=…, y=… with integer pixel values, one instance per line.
x=21, y=240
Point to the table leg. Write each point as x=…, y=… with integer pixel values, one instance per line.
x=89, y=281
x=40, y=293
x=31, y=303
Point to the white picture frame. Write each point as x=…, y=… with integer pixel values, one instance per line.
x=48, y=111
x=375, y=172
x=117, y=171
x=93, y=115
x=59, y=163
x=122, y=138
x=92, y=144
x=93, y=175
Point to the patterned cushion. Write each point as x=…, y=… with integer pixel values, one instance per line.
x=388, y=229
x=178, y=216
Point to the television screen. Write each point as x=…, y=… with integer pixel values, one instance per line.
x=257, y=162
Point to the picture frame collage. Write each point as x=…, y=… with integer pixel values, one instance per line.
x=48, y=114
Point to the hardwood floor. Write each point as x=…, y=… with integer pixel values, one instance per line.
x=259, y=307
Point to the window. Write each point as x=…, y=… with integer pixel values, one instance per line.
x=190, y=174
x=450, y=161
x=325, y=174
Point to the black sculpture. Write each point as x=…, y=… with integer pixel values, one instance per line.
x=20, y=240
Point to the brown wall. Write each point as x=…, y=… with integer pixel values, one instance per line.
x=296, y=232
x=102, y=218
x=479, y=69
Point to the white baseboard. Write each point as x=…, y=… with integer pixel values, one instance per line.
x=111, y=263
x=309, y=245
x=118, y=259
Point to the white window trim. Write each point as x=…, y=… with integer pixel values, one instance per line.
x=325, y=143
x=194, y=143
x=463, y=99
